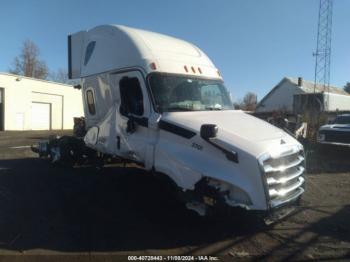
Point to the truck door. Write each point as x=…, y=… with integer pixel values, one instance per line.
x=134, y=141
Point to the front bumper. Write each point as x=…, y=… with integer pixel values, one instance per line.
x=282, y=212
x=334, y=137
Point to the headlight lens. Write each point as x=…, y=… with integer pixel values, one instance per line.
x=321, y=137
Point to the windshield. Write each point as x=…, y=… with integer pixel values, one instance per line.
x=181, y=93
x=342, y=120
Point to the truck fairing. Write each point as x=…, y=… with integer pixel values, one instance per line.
x=124, y=47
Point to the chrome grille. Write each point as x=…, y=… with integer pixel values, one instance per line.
x=284, y=175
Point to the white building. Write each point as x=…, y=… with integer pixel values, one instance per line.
x=34, y=104
x=291, y=95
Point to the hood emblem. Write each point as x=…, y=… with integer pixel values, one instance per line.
x=282, y=142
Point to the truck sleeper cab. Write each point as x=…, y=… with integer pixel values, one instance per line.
x=161, y=102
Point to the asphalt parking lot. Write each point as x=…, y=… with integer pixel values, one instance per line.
x=89, y=213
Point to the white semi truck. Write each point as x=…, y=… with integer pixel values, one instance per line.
x=160, y=102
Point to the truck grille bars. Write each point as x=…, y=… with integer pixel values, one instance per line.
x=283, y=176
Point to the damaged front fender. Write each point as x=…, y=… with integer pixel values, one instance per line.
x=210, y=193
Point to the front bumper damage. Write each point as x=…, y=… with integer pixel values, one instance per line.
x=283, y=180
x=211, y=199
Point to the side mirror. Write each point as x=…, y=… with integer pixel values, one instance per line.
x=208, y=131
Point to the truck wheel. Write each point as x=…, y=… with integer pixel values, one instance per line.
x=65, y=151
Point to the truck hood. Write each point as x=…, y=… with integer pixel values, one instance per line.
x=236, y=130
x=343, y=127
x=235, y=122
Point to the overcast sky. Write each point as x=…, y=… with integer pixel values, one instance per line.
x=253, y=43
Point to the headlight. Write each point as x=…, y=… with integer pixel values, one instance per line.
x=321, y=137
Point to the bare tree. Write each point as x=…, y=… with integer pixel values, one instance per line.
x=61, y=76
x=28, y=62
x=250, y=100
x=347, y=87
x=238, y=104
x=248, y=103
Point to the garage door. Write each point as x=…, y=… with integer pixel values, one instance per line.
x=40, y=116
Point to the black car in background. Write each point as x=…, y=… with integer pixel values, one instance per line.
x=337, y=132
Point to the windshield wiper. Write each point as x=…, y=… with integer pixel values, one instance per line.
x=213, y=108
x=178, y=108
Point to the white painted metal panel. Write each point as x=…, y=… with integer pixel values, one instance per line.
x=19, y=121
x=40, y=116
x=337, y=102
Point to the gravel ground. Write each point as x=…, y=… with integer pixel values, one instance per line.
x=81, y=214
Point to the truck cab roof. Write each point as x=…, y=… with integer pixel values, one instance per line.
x=115, y=47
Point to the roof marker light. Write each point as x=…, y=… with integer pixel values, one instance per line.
x=193, y=70
x=199, y=70
x=153, y=66
x=186, y=69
